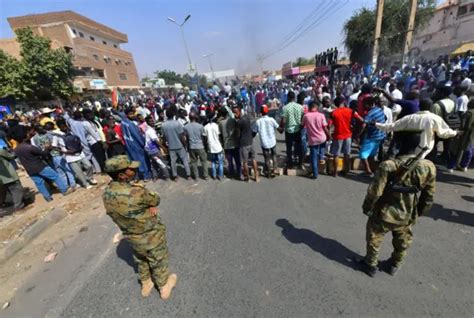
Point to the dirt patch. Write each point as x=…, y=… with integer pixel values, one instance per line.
x=13, y=225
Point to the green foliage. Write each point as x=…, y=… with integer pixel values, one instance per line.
x=41, y=74
x=172, y=78
x=10, y=79
x=301, y=61
x=359, y=29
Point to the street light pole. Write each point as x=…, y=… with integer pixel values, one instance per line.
x=190, y=64
x=208, y=56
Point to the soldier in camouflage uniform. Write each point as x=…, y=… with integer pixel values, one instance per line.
x=397, y=210
x=134, y=209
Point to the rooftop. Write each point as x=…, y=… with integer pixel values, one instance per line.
x=62, y=17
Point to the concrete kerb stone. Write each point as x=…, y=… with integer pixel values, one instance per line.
x=32, y=232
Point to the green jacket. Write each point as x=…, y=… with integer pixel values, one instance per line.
x=127, y=204
x=7, y=170
x=401, y=208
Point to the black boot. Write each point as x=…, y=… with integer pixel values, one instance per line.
x=366, y=268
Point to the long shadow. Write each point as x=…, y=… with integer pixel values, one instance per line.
x=327, y=247
x=438, y=212
x=455, y=179
x=125, y=252
x=468, y=198
x=357, y=177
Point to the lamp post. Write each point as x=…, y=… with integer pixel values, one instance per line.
x=208, y=56
x=190, y=64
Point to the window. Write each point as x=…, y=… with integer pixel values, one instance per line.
x=462, y=10
x=92, y=38
x=81, y=34
x=74, y=31
x=95, y=56
x=115, y=45
x=104, y=42
x=123, y=77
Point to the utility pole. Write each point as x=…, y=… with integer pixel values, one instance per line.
x=378, y=30
x=411, y=27
x=208, y=56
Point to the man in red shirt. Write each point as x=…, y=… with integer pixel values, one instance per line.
x=342, y=136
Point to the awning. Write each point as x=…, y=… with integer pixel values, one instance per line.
x=464, y=48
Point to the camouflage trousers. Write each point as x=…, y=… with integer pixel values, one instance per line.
x=150, y=253
x=401, y=241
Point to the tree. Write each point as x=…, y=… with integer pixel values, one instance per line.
x=359, y=29
x=301, y=61
x=172, y=78
x=10, y=80
x=41, y=74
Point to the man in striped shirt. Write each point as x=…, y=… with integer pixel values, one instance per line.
x=373, y=136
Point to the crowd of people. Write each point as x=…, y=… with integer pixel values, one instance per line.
x=63, y=147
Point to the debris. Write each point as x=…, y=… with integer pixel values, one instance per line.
x=434, y=287
x=117, y=237
x=6, y=305
x=18, y=264
x=50, y=257
x=194, y=222
x=465, y=231
x=267, y=292
x=454, y=213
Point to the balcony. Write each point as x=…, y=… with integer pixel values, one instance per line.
x=107, y=49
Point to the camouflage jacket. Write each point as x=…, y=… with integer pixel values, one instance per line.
x=127, y=204
x=401, y=208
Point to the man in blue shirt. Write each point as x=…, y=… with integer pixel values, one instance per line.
x=373, y=137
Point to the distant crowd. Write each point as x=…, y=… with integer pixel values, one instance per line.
x=325, y=121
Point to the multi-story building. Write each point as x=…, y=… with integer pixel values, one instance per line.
x=451, y=26
x=99, y=61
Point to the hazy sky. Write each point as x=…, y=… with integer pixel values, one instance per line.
x=234, y=31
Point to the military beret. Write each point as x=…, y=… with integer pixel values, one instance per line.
x=119, y=163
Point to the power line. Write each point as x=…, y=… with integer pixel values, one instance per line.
x=312, y=14
x=316, y=23
x=320, y=11
x=320, y=18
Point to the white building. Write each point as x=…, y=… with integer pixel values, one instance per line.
x=451, y=26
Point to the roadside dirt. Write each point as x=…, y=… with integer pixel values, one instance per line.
x=81, y=206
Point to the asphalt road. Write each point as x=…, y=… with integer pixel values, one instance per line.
x=279, y=248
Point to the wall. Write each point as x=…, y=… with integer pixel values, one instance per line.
x=11, y=47
x=445, y=31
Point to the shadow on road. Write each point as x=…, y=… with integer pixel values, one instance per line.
x=468, y=198
x=327, y=247
x=449, y=215
x=445, y=177
x=359, y=177
x=125, y=252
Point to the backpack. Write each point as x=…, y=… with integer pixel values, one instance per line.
x=73, y=143
x=453, y=119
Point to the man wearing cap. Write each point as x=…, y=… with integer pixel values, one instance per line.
x=266, y=126
x=45, y=116
x=135, y=211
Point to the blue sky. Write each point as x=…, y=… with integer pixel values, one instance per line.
x=234, y=31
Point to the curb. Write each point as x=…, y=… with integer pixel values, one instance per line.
x=32, y=232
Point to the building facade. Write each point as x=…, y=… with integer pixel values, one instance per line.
x=451, y=26
x=99, y=61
